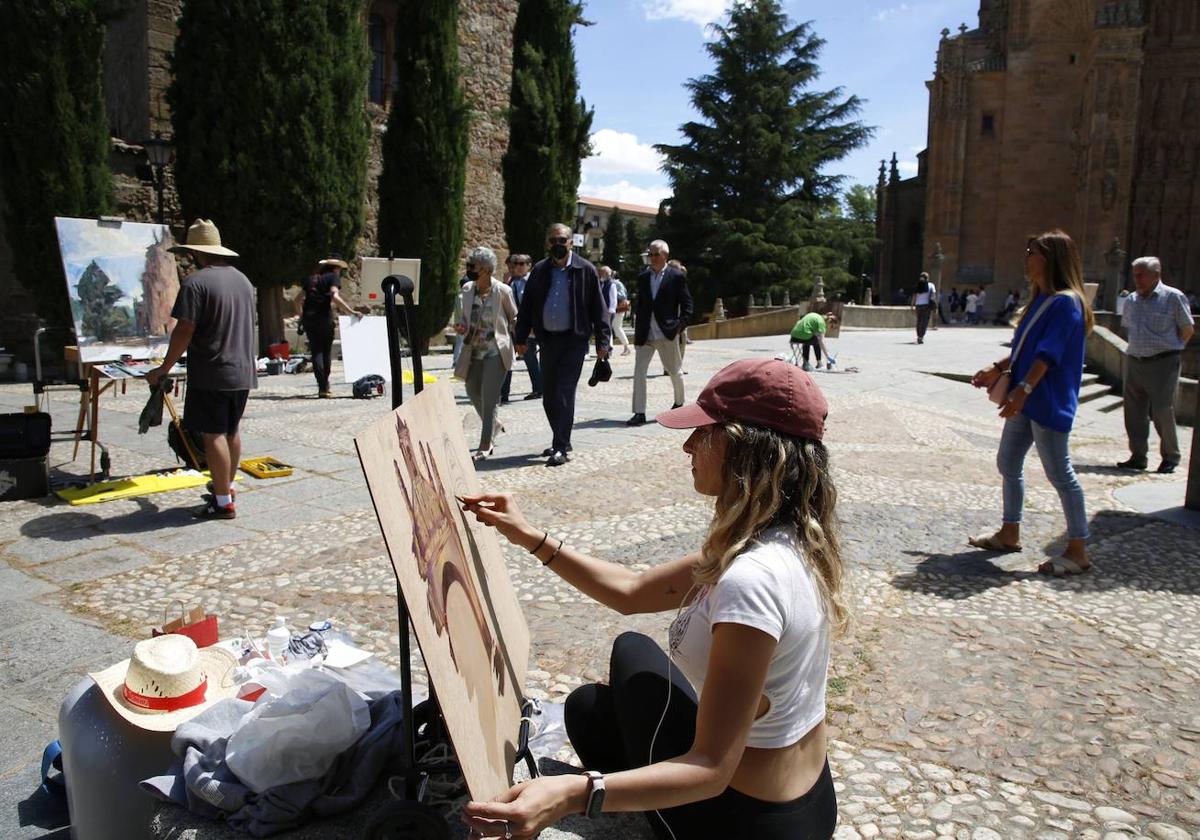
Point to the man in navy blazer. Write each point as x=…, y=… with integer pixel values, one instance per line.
x=562, y=308
x=663, y=309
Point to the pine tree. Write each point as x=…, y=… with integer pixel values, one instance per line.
x=425, y=159
x=271, y=134
x=548, y=124
x=54, y=142
x=749, y=180
x=614, y=239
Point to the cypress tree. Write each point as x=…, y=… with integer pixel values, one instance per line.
x=548, y=124
x=425, y=159
x=635, y=242
x=614, y=240
x=54, y=141
x=749, y=180
x=271, y=133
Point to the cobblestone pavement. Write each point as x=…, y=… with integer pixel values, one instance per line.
x=972, y=699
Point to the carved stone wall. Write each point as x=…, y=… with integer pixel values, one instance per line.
x=1094, y=127
x=1165, y=217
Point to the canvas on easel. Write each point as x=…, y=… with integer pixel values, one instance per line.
x=464, y=610
x=121, y=283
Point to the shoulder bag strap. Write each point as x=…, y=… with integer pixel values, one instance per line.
x=1012, y=359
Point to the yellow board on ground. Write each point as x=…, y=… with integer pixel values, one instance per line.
x=134, y=485
x=427, y=378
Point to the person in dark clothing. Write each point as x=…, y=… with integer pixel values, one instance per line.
x=562, y=306
x=518, y=275
x=315, y=302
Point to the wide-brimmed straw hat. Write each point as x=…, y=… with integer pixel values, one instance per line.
x=204, y=237
x=167, y=681
x=334, y=259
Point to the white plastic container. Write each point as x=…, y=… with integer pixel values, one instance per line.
x=278, y=639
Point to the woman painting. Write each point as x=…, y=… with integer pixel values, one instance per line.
x=1046, y=366
x=484, y=315
x=724, y=736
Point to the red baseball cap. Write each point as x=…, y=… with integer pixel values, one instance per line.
x=760, y=392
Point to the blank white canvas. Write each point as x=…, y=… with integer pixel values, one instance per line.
x=375, y=269
x=364, y=347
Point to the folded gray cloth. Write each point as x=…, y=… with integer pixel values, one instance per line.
x=204, y=784
x=152, y=414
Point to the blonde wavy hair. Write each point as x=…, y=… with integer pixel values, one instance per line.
x=771, y=479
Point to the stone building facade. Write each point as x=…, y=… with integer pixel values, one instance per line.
x=1075, y=114
x=137, y=73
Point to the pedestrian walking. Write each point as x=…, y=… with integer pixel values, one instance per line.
x=618, y=318
x=483, y=316
x=955, y=305
x=682, y=335
x=923, y=303
x=1047, y=365
x=1159, y=325
x=725, y=736
x=972, y=307
x=518, y=275
x=562, y=307
x=214, y=325
x=664, y=306
x=315, y=303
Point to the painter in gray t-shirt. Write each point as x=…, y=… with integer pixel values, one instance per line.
x=219, y=300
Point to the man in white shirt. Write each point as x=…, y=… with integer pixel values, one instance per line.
x=662, y=309
x=972, y=307
x=1159, y=326
x=923, y=302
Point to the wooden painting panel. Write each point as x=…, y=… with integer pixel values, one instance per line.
x=464, y=610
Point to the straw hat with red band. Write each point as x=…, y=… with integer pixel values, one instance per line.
x=759, y=392
x=167, y=681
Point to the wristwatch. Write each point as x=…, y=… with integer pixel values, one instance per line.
x=1026, y=387
x=595, y=799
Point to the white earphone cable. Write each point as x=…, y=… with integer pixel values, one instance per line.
x=667, y=705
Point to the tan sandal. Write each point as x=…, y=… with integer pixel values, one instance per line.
x=992, y=542
x=1063, y=567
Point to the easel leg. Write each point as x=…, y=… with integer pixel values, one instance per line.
x=83, y=412
x=94, y=387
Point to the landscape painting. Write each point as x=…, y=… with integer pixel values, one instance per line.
x=121, y=281
x=464, y=610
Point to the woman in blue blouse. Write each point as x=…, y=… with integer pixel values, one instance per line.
x=1046, y=367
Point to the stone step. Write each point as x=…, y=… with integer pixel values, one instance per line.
x=1094, y=391
x=1089, y=379
x=1111, y=403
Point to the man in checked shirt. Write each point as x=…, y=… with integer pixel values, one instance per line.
x=1159, y=325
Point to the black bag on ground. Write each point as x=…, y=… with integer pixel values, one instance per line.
x=368, y=386
x=24, y=435
x=175, y=432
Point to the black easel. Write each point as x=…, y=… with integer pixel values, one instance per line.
x=411, y=818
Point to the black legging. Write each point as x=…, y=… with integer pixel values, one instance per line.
x=611, y=727
x=320, y=343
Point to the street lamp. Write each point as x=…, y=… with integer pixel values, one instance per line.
x=646, y=257
x=159, y=153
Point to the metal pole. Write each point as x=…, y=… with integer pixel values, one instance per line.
x=391, y=285
x=159, y=183
x=406, y=291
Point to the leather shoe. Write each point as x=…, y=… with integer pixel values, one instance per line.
x=1131, y=464
x=1166, y=468
x=636, y=420
x=557, y=459
x=536, y=395
x=549, y=450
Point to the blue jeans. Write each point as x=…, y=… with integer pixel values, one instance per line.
x=1020, y=433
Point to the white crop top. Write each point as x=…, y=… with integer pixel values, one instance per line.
x=768, y=587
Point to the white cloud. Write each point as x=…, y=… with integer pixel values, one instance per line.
x=626, y=191
x=907, y=168
x=883, y=15
x=699, y=12
x=620, y=153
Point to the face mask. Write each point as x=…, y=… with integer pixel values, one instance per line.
x=472, y=275
x=558, y=251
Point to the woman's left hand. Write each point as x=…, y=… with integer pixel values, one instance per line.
x=527, y=808
x=1012, y=406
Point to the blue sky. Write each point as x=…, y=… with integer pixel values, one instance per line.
x=635, y=58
